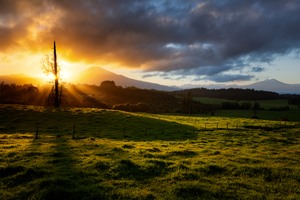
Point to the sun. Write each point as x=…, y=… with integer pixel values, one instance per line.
x=48, y=77
x=65, y=73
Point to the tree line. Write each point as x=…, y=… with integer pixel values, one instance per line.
x=230, y=94
x=21, y=94
x=109, y=96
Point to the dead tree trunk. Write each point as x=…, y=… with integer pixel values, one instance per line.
x=56, y=95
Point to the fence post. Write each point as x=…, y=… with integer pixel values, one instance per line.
x=124, y=131
x=37, y=131
x=73, y=135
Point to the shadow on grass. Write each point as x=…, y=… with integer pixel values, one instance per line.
x=92, y=123
x=54, y=168
x=125, y=126
x=56, y=177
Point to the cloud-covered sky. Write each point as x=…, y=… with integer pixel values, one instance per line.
x=216, y=40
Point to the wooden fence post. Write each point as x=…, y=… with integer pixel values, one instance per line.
x=37, y=131
x=73, y=135
x=124, y=131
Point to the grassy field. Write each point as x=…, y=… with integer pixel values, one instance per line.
x=119, y=155
x=293, y=114
x=266, y=104
x=290, y=115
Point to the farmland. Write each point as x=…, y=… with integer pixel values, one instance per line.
x=265, y=104
x=265, y=111
x=88, y=153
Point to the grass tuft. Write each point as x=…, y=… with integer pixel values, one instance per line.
x=102, y=166
x=10, y=170
x=25, y=176
x=213, y=169
x=128, y=146
x=192, y=191
x=184, y=153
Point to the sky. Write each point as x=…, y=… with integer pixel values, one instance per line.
x=171, y=42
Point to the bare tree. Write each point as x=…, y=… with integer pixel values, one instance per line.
x=50, y=66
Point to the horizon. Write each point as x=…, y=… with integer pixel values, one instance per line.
x=185, y=86
x=272, y=85
x=172, y=44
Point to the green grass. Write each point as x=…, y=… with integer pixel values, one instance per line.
x=290, y=115
x=156, y=157
x=266, y=104
x=293, y=114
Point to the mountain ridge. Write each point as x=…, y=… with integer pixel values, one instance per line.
x=271, y=85
x=95, y=75
x=274, y=85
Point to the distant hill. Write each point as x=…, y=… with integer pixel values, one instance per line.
x=271, y=85
x=210, y=86
x=20, y=79
x=275, y=86
x=95, y=75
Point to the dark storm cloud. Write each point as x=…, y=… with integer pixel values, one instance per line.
x=230, y=77
x=257, y=69
x=205, y=38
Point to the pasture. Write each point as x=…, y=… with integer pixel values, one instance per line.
x=120, y=155
x=293, y=114
x=266, y=104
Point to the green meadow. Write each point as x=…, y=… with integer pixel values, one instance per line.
x=266, y=104
x=82, y=153
x=293, y=114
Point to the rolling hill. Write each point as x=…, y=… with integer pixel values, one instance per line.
x=275, y=86
x=271, y=85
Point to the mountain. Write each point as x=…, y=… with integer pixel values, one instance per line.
x=271, y=85
x=210, y=86
x=95, y=75
x=20, y=79
x=275, y=86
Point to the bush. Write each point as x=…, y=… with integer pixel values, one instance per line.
x=139, y=107
x=246, y=105
x=91, y=101
x=230, y=105
x=281, y=108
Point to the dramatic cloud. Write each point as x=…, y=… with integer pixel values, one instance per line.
x=230, y=77
x=208, y=39
x=257, y=69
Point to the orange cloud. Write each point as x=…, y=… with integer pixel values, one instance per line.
x=178, y=36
